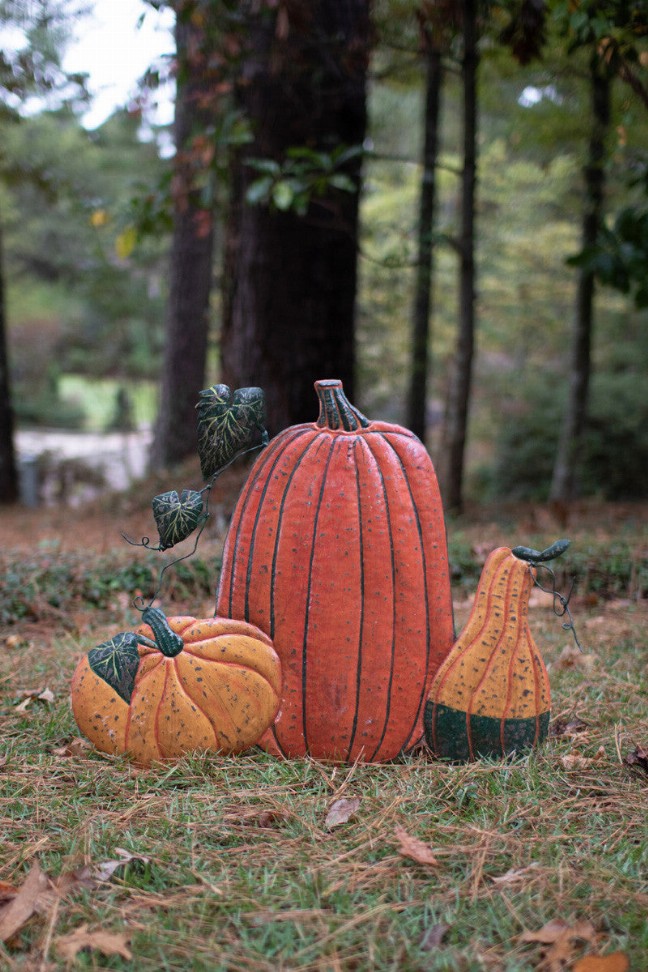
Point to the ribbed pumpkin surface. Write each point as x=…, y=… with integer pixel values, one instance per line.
x=491, y=695
x=220, y=692
x=337, y=551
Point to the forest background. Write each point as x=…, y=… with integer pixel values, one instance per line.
x=236, y=862
x=94, y=326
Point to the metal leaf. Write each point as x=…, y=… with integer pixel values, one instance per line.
x=177, y=516
x=117, y=661
x=227, y=424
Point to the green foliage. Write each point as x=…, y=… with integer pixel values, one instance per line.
x=304, y=175
x=614, y=456
x=45, y=407
x=621, y=255
x=47, y=585
x=70, y=240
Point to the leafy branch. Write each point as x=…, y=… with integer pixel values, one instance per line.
x=229, y=426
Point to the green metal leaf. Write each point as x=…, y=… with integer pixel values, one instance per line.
x=227, y=424
x=177, y=516
x=117, y=661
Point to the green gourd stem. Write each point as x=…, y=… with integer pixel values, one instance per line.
x=533, y=556
x=336, y=411
x=167, y=641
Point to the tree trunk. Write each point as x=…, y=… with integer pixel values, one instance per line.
x=461, y=380
x=563, y=483
x=290, y=280
x=421, y=336
x=187, y=327
x=8, y=471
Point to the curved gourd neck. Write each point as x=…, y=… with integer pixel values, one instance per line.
x=336, y=411
x=166, y=640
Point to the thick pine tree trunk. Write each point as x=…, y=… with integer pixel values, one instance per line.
x=421, y=318
x=461, y=379
x=290, y=280
x=187, y=328
x=8, y=471
x=564, y=479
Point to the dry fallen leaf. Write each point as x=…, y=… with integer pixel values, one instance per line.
x=571, y=761
x=92, y=874
x=560, y=939
x=557, y=928
x=638, y=757
x=516, y=875
x=75, y=747
x=614, y=962
x=572, y=726
x=108, y=943
x=7, y=892
x=572, y=657
x=16, y=913
x=40, y=695
x=414, y=848
x=433, y=936
x=341, y=811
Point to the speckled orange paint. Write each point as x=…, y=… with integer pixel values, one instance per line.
x=495, y=669
x=337, y=549
x=221, y=692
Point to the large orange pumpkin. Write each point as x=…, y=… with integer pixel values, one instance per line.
x=337, y=550
x=177, y=685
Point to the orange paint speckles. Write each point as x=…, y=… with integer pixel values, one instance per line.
x=337, y=550
x=220, y=692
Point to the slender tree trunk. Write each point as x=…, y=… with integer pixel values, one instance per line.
x=8, y=470
x=563, y=483
x=290, y=280
x=185, y=351
x=461, y=380
x=421, y=326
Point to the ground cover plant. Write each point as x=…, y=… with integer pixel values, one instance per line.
x=253, y=863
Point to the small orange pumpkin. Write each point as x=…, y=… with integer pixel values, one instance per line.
x=177, y=685
x=491, y=695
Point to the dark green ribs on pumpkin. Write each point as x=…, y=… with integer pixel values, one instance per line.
x=460, y=737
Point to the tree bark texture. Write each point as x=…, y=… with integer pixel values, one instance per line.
x=564, y=478
x=422, y=313
x=8, y=470
x=290, y=280
x=461, y=379
x=190, y=272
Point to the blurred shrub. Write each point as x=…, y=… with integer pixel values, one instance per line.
x=45, y=408
x=615, y=448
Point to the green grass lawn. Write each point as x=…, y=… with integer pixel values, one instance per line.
x=234, y=868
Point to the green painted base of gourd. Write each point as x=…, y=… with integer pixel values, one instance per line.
x=452, y=736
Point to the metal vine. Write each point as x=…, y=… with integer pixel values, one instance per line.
x=560, y=601
x=139, y=602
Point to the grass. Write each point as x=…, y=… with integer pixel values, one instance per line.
x=233, y=867
x=98, y=399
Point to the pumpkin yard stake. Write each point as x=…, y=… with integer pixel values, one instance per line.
x=333, y=634
x=178, y=685
x=491, y=696
x=337, y=549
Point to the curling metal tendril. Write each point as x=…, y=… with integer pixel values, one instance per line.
x=560, y=601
